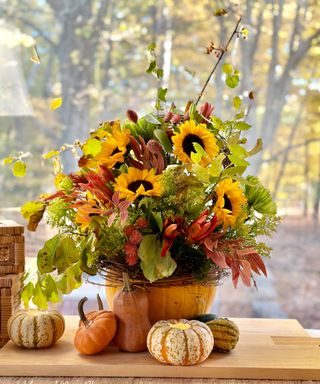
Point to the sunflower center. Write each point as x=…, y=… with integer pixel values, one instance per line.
x=227, y=203
x=134, y=186
x=188, y=142
x=116, y=150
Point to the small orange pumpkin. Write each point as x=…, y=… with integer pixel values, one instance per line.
x=92, y=314
x=95, y=332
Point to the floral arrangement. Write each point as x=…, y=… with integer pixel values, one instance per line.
x=163, y=197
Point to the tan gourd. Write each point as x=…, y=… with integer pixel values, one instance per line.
x=131, y=309
x=35, y=329
x=180, y=342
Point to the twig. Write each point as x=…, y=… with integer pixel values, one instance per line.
x=224, y=50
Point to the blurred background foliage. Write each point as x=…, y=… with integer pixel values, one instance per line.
x=93, y=56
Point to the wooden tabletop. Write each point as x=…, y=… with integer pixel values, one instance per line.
x=283, y=330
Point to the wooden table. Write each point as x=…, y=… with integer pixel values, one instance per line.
x=268, y=349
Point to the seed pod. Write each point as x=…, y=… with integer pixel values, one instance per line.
x=132, y=115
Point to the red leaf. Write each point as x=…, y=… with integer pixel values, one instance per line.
x=245, y=273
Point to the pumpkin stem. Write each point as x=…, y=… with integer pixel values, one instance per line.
x=82, y=315
x=126, y=283
x=100, y=304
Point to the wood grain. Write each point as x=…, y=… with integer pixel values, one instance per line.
x=257, y=356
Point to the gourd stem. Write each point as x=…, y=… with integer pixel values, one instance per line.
x=126, y=283
x=100, y=304
x=82, y=315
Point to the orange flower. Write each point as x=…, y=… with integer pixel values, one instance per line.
x=201, y=228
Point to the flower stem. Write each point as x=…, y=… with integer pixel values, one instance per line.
x=224, y=50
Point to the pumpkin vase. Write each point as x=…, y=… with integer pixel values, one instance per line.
x=174, y=302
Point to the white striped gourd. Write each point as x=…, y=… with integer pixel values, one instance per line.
x=180, y=342
x=225, y=332
x=35, y=329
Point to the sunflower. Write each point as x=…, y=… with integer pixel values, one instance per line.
x=229, y=202
x=113, y=148
x=190, y=133
x=138, y=182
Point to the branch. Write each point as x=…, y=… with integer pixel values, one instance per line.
x=225, y=49
x=289, y=147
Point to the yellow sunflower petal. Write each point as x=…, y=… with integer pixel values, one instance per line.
x=190, y=133
x=137, y=183
x=229, y=202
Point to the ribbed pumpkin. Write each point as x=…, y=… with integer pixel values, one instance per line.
x=225, y=332
x=180, y=342
x=174, y=302
x=35, y=329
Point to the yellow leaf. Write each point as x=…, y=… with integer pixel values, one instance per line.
x=57, y=166
x=56, y=103
x=50, y=154
x=35, y=55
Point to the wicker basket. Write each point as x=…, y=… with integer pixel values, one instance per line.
x=11, y=248
x=10, y=287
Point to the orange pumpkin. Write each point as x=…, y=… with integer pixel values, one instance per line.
x=131, y=309
x=174, y=302
x=94, y=334
x=92, y=314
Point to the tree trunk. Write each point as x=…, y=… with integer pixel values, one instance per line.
x=316, y=204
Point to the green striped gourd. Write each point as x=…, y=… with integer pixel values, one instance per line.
x=35, y=329
x=225, y=333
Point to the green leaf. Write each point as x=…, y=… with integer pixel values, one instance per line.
x=199, y=154
x=39, y=298
x=237, y=102
x=217, y=123
x=238, y=151
x=30, y=208
x=151, y=119
x=163, y=139
x=91, y=147
x=27, y=293
x=71, y=279
x=152, y=66
x=152, y=46
x=227, y=68
x=155, y=221
x=237, y=170
x=8, y=160
x=220, y=12
x=46, y=255
x=162, y=92
x=232, y=81
x=66, y=253
x=85, y=265
x=50, y=154
x=242, y=126
x=257, y=148
x=259, y=197
x=238, y=161
x=240, y=115
x=51, y=289
x=159, y=73
x=153, y=265
x=215, y=167
x=19, y=168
